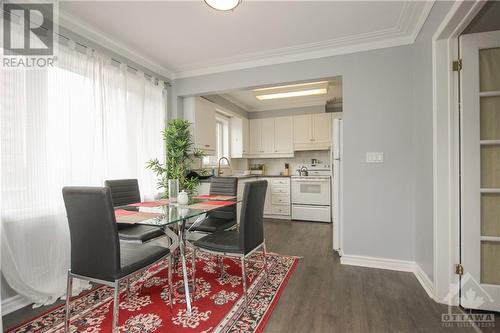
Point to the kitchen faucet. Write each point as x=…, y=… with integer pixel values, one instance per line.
x=218, y=167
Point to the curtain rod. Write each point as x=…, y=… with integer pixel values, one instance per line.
x=168, y=84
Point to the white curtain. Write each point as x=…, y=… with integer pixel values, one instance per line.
x=81, y=122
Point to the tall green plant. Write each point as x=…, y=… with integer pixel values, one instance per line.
x=180, y=156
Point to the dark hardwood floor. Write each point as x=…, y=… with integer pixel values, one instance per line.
x=325, y=296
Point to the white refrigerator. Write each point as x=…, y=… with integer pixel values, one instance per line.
x=336, y=152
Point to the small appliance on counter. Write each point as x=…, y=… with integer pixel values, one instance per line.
x=257, y=169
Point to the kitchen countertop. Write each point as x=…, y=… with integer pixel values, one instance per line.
x=247, y=176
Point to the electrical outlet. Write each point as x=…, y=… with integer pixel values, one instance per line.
x=374, y=157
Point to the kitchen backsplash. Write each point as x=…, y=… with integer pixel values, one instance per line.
x=276, y=165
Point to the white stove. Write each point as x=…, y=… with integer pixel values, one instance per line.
x=311, y=195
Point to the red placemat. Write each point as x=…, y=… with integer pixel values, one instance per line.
x=156, y=203
x=219, y=203
x=123, y=212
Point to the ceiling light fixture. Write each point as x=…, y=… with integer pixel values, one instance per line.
x=299, y=93
x=223, y=5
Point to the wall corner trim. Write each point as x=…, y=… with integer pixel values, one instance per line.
x=14, y=303
x=393, y=265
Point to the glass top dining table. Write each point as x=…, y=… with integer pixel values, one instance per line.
x=164, y=214
x=171, y=213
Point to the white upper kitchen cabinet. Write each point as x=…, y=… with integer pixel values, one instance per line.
x=283, y=135
x=267, y=136
x=271, y=137
x=255, y=127
x=312, y=131
x=240, y=140
x=322, y=129
x=201, y=113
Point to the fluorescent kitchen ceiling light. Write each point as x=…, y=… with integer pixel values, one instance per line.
x=291, y=86
x=309, y=92
x=223, y=4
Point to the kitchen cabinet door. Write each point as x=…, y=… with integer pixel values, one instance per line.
x=283, y=135
x=201, y=114
x=239, y=137
x=245, y=140
x=255, y=127
x=267, y=135
x=322, y=128
x=302, y=129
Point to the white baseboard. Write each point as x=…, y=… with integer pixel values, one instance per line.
x=14, y=303
x=424, y=280
x=394, y=265
x=373, y=262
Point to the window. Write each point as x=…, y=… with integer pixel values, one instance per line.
x=222, y=142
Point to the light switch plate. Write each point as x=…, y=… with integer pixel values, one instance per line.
x=374, y=157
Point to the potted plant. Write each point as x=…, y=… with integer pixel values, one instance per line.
x=180, y=156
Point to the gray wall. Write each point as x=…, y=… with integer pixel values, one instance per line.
x=387, y=94
x=422, y=139
x=488, y=19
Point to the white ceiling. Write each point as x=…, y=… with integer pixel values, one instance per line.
x=246, y=99
x=186, y=38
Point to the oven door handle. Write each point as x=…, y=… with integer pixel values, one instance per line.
x=310, y=180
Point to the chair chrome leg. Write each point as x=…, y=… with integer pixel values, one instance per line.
x=67, y=315
x=220, y=260
x=128, y=288
x=244, y=280
x=116, y=306
x=170, y=286
x=193, y=268
x=264, y=253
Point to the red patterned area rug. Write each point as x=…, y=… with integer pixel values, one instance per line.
x=218, y=306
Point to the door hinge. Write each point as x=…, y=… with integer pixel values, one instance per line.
x=459, y=269
x=457, y=65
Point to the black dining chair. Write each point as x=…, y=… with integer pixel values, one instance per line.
x=243, y=242
x=125, y=192
x=222, y=218
x=97, y=255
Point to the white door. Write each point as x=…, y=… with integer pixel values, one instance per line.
x=480, y=170
x=283, y=142
x=337, y=185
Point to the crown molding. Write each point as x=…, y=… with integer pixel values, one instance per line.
x=408, y=26
x=75, y=25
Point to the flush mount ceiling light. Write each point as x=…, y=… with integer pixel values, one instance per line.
x=223, y=5
x=292, y=90
x=309, y=92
